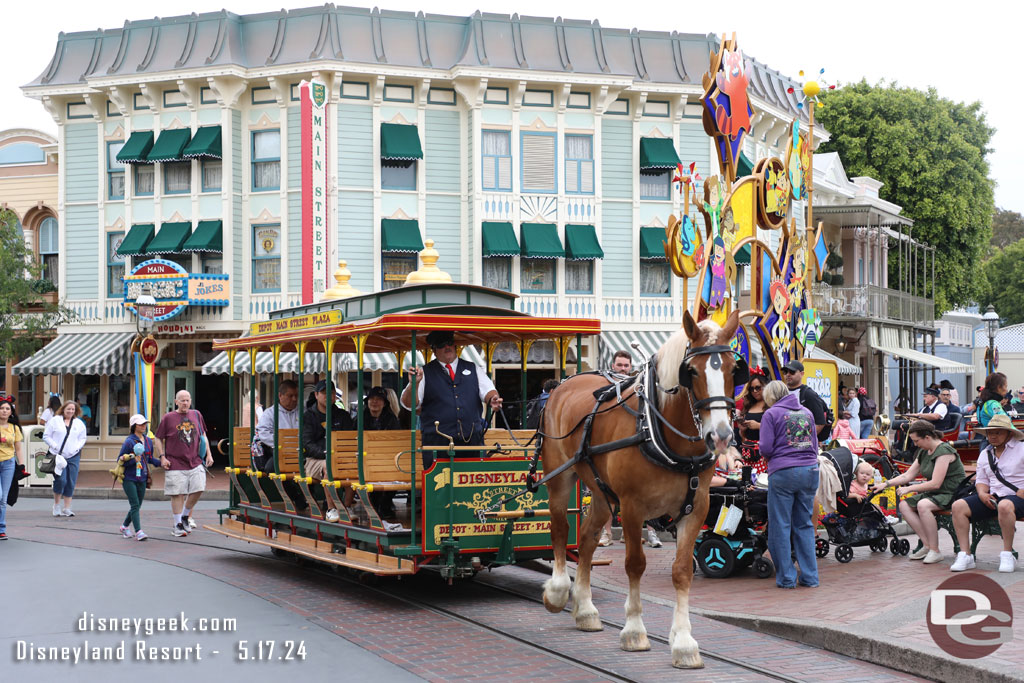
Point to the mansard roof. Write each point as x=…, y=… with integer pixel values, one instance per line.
x=223, y=40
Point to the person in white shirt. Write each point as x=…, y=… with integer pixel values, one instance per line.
x=65, y=434
x=287, y=411
x=52, y=408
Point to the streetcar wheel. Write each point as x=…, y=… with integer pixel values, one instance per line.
x=716, y=558
x=764, y=567
x=820, y=547
x=904, y=546
x=844, y=553
x=279, y=553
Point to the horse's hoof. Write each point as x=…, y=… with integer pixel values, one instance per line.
x=589, y=622
x=634, y=642
x=556, y=594
x=687, y=659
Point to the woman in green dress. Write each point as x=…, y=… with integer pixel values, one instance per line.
x=939, y=464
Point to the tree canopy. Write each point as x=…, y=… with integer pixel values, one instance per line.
x=930, y=153
x=25, y=317
x=1007, y=228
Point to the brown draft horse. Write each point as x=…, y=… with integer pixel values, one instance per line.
x=644, y=490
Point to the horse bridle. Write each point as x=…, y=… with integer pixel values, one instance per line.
x=740, y=374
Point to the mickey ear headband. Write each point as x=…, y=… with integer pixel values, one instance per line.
x=757, y=371
x=7, y=398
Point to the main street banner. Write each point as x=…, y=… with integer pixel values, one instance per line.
x=315, y=236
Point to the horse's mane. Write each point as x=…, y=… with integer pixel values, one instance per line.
x=671, y=353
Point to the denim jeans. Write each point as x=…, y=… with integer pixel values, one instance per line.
x=64, y=485
x=865, y=428
x=790, y=530
x=6, y=481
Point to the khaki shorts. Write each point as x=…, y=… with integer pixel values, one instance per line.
x=184, y=482
x=316, y=468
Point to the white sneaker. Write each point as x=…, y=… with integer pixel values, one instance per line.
x=179, y=530
x=56, y=510
x=920, y=554
x=332, y=515
x=652, y=538
x=126, y=532
x=140, y=536
x=932, y=557
x=66, y=512
x=192, y=523
x=963, y=562
x=606, y=539
x=1007, y=562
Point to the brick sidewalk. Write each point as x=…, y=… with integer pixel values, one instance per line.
x=876, y=596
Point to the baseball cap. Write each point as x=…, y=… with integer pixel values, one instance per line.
x=321, y=386
x=137, y=420
x=794, y=366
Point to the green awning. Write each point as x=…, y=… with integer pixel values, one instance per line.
x=402, y=236
x=540, y=240
x=651, y=248
x=206, y=143
x=170, y=238
x=744, y=166
x=743, y=255
x=137, y=147
x=207, y=237
x=400, y=142
x=499, y=239
x=136, y=240
x=581, y=243
x=657, y=153
x=169, y=145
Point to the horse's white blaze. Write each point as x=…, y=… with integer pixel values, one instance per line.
x=717, y=417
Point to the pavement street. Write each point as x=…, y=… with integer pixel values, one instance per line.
x=59, y=584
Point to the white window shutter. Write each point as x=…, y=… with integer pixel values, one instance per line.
x=571, y=175
x=504, y=173
x=488, y=172
x=538, y=163
x=587, y=176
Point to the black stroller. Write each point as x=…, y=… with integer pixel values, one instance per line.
x=719, y=556
x=855, y=523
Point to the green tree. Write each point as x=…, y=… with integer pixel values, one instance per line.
x=931, y=154
x=1004, y=282
x=1007, y=228
x=25, y=318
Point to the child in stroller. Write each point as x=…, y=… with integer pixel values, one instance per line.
x=857, y=521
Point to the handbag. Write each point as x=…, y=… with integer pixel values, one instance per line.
x=49, y=463
x=728, y=520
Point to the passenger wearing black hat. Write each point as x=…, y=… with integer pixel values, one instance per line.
x=377, y=413
x=793, y=376
x=452, y=392
x=314, y=430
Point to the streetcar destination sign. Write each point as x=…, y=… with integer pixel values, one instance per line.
x=299, y=322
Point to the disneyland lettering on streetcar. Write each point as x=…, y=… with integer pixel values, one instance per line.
x=489, y=478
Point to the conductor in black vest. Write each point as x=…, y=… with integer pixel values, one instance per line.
x=452, y=392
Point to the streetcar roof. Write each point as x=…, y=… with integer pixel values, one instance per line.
x=476, y=315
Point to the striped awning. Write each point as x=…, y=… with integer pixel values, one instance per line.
x=891, y=341
x=101, y=353
x=619, y=340
x=315, y=362
x=844, y=367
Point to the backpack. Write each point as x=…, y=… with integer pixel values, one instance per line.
x=830, y=417
x=534, y=410
x=868, y=409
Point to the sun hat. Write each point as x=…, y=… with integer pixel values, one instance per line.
x=1001, y=421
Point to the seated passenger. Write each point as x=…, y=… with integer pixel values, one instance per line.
x=287, y=408
x=377, y=413
x=938, y=462
x=1000, y=492
x=314, y=430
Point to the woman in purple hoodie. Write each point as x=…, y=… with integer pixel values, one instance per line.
x=790, y=446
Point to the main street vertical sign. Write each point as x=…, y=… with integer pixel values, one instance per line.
x=315, y=235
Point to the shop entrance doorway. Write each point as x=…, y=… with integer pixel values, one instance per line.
x=210, y=398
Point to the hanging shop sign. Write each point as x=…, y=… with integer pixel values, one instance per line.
x=315, y=240
x=174, y=288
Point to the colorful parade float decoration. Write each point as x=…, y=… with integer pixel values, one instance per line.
x=734, y=216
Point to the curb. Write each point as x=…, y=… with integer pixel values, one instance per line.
x=117, y=493
x=933, y=665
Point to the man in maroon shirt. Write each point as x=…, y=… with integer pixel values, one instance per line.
x=178, y=439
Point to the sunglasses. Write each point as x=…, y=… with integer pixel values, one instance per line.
x=788, y=372
x=756, y=387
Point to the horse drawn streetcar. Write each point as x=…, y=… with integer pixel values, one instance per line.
x=444, y=523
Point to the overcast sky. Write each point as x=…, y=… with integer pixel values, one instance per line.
x=965, y=50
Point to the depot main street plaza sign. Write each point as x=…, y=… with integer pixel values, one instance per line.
x=174, y=288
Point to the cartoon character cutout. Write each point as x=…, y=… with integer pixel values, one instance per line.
x=796, y=168
x=777, y=191
x=732, y=81
x=717, y=283
x=714, y=200
x=799, y=263
x=782, y=339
